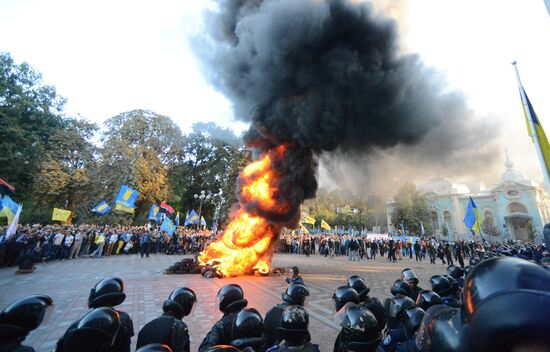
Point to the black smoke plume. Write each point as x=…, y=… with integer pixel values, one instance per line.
x=326, y=75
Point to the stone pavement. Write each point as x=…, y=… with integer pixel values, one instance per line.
x=69, y=282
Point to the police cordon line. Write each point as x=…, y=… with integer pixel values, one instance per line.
x=496, y=303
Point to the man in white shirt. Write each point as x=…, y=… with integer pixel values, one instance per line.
x=112, y=240
x=76, y=246
x=57, y=243
x=67, y=243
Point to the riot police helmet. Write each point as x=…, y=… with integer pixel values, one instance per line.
x=427, y=298
x=108, y=292
x=154, y=347
x=413, y=319
x=360, y=330
x=295, y=294
x=294, y=325
x=180, y=302
x=358, y=284
x=400, y=287
x=442, y=330
x=24, y=315
x=455, y=272
x=96, y=331
x=344, y=295
x=229, y=296
x=409, y=275
x=441, y=285
x=247, y=323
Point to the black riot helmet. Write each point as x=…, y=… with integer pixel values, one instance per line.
x=295, y=294
x=247, y=323
x=441, y=285
x=401, y=287
x=409, y=275
x=96, y=331
x=222, y=348
x=395, y=308
x=154, y=347
x=467, y=269
x=474, y=261
x=108, y=292
x=180, y=302
x=413, y=319
x=358, y=284
x=343, y=295
x=427, y=298
x=442, y=330
x=503, y=274
x=24, y=315
x=294, y=325
x=360, y=331
x=229, y=295
x=455, y=272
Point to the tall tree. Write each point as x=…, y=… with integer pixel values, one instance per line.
x=411, y=209
x=30, y=114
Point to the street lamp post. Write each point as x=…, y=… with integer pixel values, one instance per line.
x=201, y=198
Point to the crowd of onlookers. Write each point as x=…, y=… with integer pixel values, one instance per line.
x=37, y=243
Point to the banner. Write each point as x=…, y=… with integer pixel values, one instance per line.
x=9, y=208
x=325, y=225
x=168, y=226
x=61, y=214
x=125, y=199
x=102, y=208
x=154, y=213
x=309, y=220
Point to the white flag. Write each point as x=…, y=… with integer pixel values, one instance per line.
x=12, y=229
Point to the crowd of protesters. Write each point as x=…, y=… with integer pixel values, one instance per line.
x=39, y=243
x=429, y=248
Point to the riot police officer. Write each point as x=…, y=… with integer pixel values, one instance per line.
x=21, y=317
x=169, y=329
x=109, y=292
x=294, y=331
x=96, y=331
x=359, y=331
x=457, y=274
x=371, y=303
x=343, y=296
x=230, y=302
x=295, y=294
x=410, y=276
x=401, y=288
x=427, y=298
x=396, y=313
x=445, y=289
x=154, y=347
x=248, y=330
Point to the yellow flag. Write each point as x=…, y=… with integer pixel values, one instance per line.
x=61, y=214
x=309, y=220
x=325, y=225
x=304, y=229
x=124, y=209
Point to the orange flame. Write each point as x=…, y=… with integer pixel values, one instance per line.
x=246, y=241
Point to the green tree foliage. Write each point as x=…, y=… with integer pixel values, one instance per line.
x=411, y=209
x=488, y=227
x=29, y=117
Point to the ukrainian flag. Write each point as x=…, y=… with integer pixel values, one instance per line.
x=472, y=219
x=536, y=132
x=102, y=208
x=125, y=199
x=9, y=208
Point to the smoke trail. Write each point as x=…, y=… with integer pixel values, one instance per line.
x=327, y=76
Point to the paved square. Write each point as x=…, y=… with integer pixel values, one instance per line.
x=69, y=282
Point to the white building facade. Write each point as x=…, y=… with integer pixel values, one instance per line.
x=517, y=207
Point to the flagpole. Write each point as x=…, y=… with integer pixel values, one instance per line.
x=533, y=130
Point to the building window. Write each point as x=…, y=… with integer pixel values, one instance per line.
x=434, y=220
x=447, y=220
x=517, y=208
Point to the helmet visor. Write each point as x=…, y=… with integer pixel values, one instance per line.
x=340, y=315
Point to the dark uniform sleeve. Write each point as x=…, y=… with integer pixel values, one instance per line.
x=180, y=337
x=59, y=346
x=213, y=337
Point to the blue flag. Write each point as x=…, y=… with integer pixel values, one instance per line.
x=102, y=208
x=192, y=218
x=168, y=226
x=472, y=220
x=154, y=213
x=177, y=220
x=403, y=229
x=125, y=199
